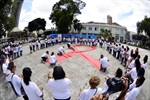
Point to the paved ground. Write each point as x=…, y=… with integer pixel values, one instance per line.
x=76, y=68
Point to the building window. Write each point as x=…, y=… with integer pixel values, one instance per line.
x=84, y=28
x=95, y=28
x=90, y=28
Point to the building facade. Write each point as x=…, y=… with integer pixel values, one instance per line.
x=118, y=32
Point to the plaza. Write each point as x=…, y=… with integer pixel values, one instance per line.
x=77, y=69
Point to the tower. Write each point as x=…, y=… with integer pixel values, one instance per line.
x=18, y=11
x=109, y=19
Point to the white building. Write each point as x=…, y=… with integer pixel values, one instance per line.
x=93, y=28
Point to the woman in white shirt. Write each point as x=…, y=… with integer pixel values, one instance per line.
x=30, y=88
x=6, y=72
x=133, y=72
x=144, y=64
x=87, y=94
x=52, y=60
x=59, y=84
x=15, y=81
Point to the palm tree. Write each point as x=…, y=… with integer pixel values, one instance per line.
x=106, y=34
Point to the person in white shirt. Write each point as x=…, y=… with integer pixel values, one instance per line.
x=87, y=94
x=61, y=51
x=15, y=81
x=6, y=72
x=141, y=73
x=104, y=63
x=144, y=63
x=52, y=60
x=59, y=84
x=131, y=65
x=44, y=56
x=134, y=71
x=131, y=95
x=31, y=89
x=118, y=74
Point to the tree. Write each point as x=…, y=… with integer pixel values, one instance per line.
x=77, y=25
x=63, y=13
x=6, y=21
x=37, y=24
x=144, y=26
x=7, y=18
x=106, y=34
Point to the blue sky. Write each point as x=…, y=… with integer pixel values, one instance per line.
x=27, y=5
x=124, y=12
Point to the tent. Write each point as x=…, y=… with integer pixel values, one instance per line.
x=16, y=32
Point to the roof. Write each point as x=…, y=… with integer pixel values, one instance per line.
x=91, y=22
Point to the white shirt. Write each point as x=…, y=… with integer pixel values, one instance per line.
x=132, y=64
x=88, y=93
x=32, y=91
x=133, y=93
x=16, y=81
x=61, y=49
x=104, y=62
x=133, y=73
x=52, y=59
x=60, y=88
x=133, y=85
x=144, y=65
x=6, y=71
x=45, y=55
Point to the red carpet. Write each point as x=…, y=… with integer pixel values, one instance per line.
x=93, y=61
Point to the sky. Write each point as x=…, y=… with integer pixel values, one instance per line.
x=124, y=12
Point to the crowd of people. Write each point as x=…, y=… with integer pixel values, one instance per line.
x=12, y=50
x=129, y=83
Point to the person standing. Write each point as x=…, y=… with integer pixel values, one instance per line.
x=15, y=81
x=87, y=94
x=59, y=84
x=31, y=89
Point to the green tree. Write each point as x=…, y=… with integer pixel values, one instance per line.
x=106, y=34
x=37, y=24
x=63, y=13
x=77, y=25
x=7, y=19
x=144, y=26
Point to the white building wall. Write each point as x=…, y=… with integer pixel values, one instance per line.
x=117, y=31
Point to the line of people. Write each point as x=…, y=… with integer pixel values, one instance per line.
x=12, y=50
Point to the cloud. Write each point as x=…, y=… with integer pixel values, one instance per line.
x=124, y=12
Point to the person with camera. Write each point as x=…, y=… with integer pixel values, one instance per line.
x=118, y=74
x=87, y=94
x=131, y=95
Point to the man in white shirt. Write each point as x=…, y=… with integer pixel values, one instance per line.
x=45, y=56
x=104, y=63
x=61, y=51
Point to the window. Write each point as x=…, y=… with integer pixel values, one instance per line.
x=95, y=28
x=84, y=28
x=90, y=28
